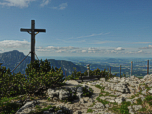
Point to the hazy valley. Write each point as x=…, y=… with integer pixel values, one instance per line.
x=13, y=58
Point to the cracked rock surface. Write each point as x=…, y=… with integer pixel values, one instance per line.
x=114, y=91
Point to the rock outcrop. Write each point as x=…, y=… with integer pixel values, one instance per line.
x=116, y=90
x=56, y=95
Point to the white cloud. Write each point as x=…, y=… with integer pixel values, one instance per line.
x=142, y=42
x=14, y=44
x=140, y=51
x=61, y=6
x=98, y=42
x=149, y=47
x=59, y=51
x=87, y=36
x=54, y=7
x=83, y=51
x=45, y=2
x=2, y=49
x=119, y=48
x=17, y=3
x=113, y=51
x=90, y=35
x=73, y=51
x=25, y=45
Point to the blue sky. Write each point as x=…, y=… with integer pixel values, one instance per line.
x=92, y=28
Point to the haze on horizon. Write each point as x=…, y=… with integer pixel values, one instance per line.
x=78, y=28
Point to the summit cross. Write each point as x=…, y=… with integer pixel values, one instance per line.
x=33, y=30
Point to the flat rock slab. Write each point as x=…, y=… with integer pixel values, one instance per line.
x=87, y=80
x=72, y=83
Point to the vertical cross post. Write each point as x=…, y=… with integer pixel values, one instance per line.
x=147, y=67
x=120, y=71
x=88, y=67
x=32, y=40
x=131, y=68
x=33, y=30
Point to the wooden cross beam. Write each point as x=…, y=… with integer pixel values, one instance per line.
x=33, y=30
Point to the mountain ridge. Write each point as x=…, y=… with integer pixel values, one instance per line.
x=12, y=58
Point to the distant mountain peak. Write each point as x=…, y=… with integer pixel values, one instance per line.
x=12, y=58
x=16, y=50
